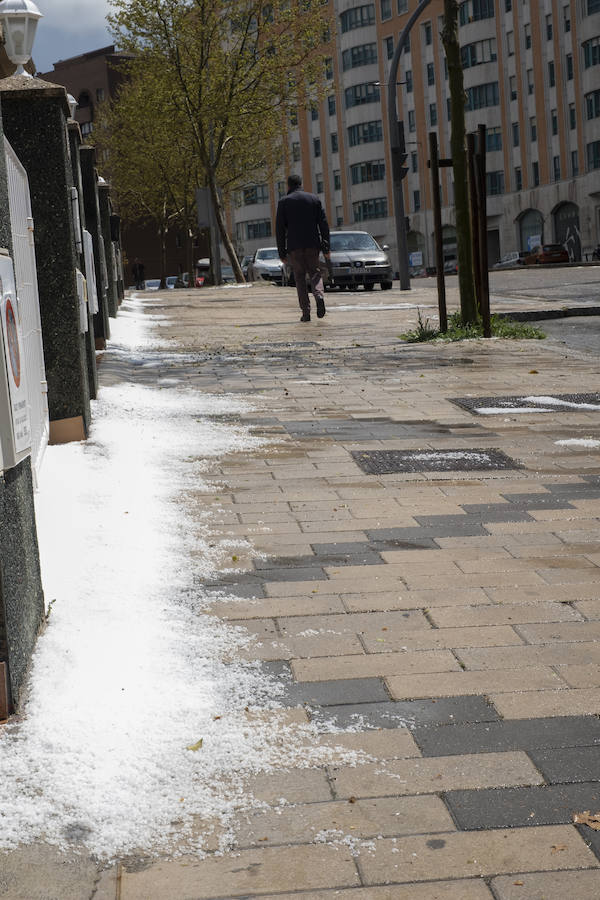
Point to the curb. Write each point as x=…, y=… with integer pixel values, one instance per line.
x=534, y=315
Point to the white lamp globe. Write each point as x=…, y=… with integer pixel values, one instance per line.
x=19, y=20
x=73, y=104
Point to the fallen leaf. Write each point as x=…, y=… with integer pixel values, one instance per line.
x=351, y=799
x=195, y=746
x=533, y=372
x=585, y=818
x=264, y=839
x=556, y=848
x=518, y=882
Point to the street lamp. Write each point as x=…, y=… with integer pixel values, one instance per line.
x=398, y=151
x=73, y=104
x=19, y=20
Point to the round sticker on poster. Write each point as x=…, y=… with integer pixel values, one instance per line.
x=13, y=342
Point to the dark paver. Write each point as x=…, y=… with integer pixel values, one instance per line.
x=293, y=574
x=479, y=513
x=385, y=462
x=335, y=693
x=569, y=765
x=521, y=806
x=453, y=526
x=409, y=713
x=538, y=501
x=347, y=554
x=509, y=734
x=576, y=491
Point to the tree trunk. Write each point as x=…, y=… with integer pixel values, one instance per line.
x=163, y=256
x=220, y=217
x=468, y=306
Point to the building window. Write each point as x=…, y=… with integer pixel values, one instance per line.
x=386, y=9
x=331, y=104
x=359, y=94
x=373, y=208
x=430, y=73
x=389, y=47
x=556, y=167
x=293, y=118
x=507, y=5
x=365, y=133
x=533, y=128
x=337, y=180
x=478, y=53
x=414, y=161
x=567, y=17
x=281, y=189
x=99, y=94
x=493, y=139
x=334, y=142
x=296, y=151
x=314, y=113
x=357, y=17
x=427, y=33
x=474, y=10
x=518, y=179
x=329, y=68
x=530, y=87
x=260, y=228
x=339, y=216
x=316, y=146
x=363, y=55
x=527, y=30
x=551, y=74
x=495, y=183
x=536, y=174
x=515, y=134
x=416, y=201
x=409, y=81
x=411, y=120
x=512, y=81
x=549, y=28
x=257, y=193
x=591, y=52
x=510, y=43
x=86, y=128
x=574, y=163
x=572, y=116
x=570, y=66
x=592, y=105
x=407, y=44
x=554, y=121
x=593, y=6
x=368, y=171
x=433, y=114
x=593, y=155
x=402, y=6
x=320, y=184
x=482, y=95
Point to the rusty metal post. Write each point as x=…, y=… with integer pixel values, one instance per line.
x=474, y=216
x=483, y=248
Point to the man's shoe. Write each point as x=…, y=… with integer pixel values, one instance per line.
x=320, y=308
x=305, y=317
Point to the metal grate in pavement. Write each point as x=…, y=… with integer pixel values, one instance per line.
x=387, y=462
x=533, y=403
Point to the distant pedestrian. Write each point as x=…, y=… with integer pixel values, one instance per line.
x=138, y=270
x=302, y=233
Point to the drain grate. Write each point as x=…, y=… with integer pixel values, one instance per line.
x=387, y=462
x=531, y=403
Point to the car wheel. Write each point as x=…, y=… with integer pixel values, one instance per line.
x=386, y=285
x=369, y=287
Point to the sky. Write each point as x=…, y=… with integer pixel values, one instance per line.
x=69, y=27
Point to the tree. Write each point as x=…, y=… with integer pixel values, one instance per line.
x=232, y=69
x=151, y=166
x=466, y=284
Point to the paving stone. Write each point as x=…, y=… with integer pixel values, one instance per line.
x=425, y=535
x=530, y=704
x=306, y=573
x=582, y=653
x=564, y=631
x=440, y=638
x=382, y=743
x=292, y=786
x=523, y=734
x=547, y=885
x=478, y=854
x=273, y=607
x=580, y=676
x=430, y=776
x=352, y=623
x=507, y=614
x=409, y=713
x=43, y=872
x=539, y=501
x=520, y=807
x=455, y=684
x=335, y=693
x=375, y=664
x=570, y=765
x=386, y=816
x=258, y=871
x=463, y=889
x=355, y=602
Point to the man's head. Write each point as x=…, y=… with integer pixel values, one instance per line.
x=294, y=182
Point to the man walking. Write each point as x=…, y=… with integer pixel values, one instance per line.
x=302, y=232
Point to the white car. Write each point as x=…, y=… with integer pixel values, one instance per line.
x=266, y=266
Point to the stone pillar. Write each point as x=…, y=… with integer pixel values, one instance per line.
x=105, y=212
x=115, y=228
x=21, y=595
x=89, y=177
x=90, y=344
x=35, y=122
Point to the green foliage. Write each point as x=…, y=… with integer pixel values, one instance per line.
x=457, y=331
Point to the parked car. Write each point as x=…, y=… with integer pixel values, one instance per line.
x=227, y=274
x=266, y=266
x=510, y=260
x=451, y=267
x=152, y=284
x=246, y=260
x=548, y=254
x=357, y=259
x=172, y=281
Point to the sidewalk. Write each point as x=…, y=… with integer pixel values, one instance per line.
x=441, y=606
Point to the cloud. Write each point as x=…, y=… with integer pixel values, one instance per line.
x=73, y=16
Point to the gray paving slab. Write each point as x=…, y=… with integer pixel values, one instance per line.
x=568, y=765
x=475, y=514
x=453, y=526
x=335, y=693
x=291, y=573
x=521, y=806
x=409, y=713
x=576, y=491
x=537, y=501
x=515, y=734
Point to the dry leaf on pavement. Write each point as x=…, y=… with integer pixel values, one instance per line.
x=586, y=818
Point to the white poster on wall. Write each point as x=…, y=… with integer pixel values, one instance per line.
x=13, y=353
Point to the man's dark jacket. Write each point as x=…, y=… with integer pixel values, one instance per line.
x=301, y=222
